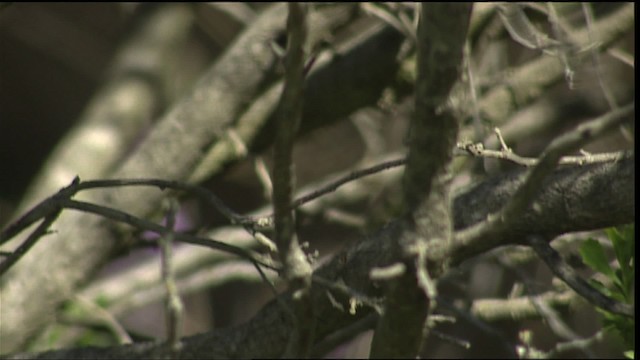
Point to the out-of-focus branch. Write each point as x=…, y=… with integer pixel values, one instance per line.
x=529, y=81
x=340, y=82
x=112, y=121
x=478, y=150
x=519, y=308
x=170, y=151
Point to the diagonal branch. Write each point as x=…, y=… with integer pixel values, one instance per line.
x=569, y=276
x=574, y=199
x=523, y=198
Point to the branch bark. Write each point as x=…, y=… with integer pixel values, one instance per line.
x=297, y=269
x=575, y=198
x=171, y=151
x=432, y=135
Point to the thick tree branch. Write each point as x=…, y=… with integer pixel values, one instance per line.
x=574, y=199
x=140, y=73
x=432, y=135
x=523, y=198
x=170, y=151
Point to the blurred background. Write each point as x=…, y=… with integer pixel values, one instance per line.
x=54, y=58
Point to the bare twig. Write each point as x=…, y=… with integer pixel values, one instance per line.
x=622, y=56
x=348, y=178
x=613, y=181
x=478, y=150
x=478, y=323
x=529, y=81
x=143, y=224
x=41, y=230
x=263, y=175
x=519, y=308
x=174, y=307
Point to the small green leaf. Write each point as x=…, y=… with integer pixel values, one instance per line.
x=593, y=255
x=623, y=241
x=600, y=287
x=623, y=244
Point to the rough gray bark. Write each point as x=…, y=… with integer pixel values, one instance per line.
x=572, y=199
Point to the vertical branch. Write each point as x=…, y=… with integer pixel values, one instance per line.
x=297, y=269
x=432, y=135
x=173, y=303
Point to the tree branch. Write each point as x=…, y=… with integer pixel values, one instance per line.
x=574, y=198
x=297, y=269
x=523, y=198
x=432, y=135
x=562, y=270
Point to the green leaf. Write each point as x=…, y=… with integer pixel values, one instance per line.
x=593, y=255
x=600, y=287
x=623, y=244
x=623, y=241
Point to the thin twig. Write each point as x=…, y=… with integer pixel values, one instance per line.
x=503, y=144
x=561, y=269
x=595, y=56
x=550, y=158
x=28, y=242
x=478, y=150
x=342, y=288
x=143, y=224
x=331, y=187
x=43, y=209
x=173, y=304
x=480, y=324
x=622, y=56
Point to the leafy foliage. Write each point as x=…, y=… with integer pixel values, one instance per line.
x=621, y=279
